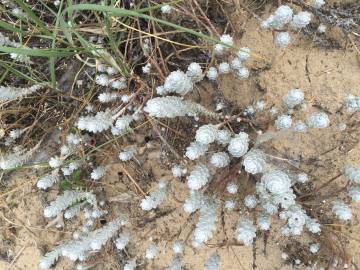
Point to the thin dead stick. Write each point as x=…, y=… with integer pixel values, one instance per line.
x=238, y=3
x=15, y=189
x=16, y=257
x=172, y=150
x=133, y=180
x=206, y=18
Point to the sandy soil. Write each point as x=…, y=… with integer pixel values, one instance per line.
x=326, y=76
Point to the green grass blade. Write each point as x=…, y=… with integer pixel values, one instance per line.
x=120, y=12
x=154, y=7
x=38, y=52
x=119, y=57
x=32, y=16
x=9, y=68
x=10, y=27
x=53, y=43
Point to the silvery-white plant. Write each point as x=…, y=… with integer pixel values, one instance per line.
x=151, y=252
x=130, y=265
x=8, y=93
x=274, y=190
x=155, y=198
x=17, y=157
x=213, y=262
x=283, y=17
x=245, y=231
x=318, y=120
x=352, y=103
x=122, y=240
x=206, y=224
x=79, y=249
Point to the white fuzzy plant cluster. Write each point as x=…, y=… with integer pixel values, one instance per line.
x=84, y=205
x=8, y=93
x=339, y=207
x=292, y=101
x=5, y=41
x=60, y=164
x=283, y=20
x=181, y=83
x=80, y=248
x=214, y=148
x=85, y=240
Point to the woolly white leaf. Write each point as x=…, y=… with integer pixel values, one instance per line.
x=250, y=201
x=193, y=202
x=130, y=265
x=65, y=200
x=97, y=173
x=353, y=173
x=198, y=177
x=195, y=150
x=232, y=188
x=122, y=240
x=156, y=197
x=220, y=159
x=128, y=153
x=178, y=82
x=194, y=72
x=224, y=68
x=223, y=137
x=178, y=247
x=239, y=144
x=283, y=122
x=213, y=262
x=318, y=120
x=178, y=170
x=245, y=231
x=48, y=180
x=242, y=73
x=341, y=210
x=254, y=162
x=301, y=20
x=176, y=263
x=108, y=97
x=277, y=182
x=206, y=134
x=98, y=123
x=282, y=39
x=354, y=193
x=352, y=103
x=293, y=98
x=151, y=252
x=279, y=19
x=206, y=224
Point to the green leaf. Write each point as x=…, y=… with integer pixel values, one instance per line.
x=76, y=176
x=33, y=16
x=16, y=72
x=37, y=52
x=10, y=27
x=120, y=12
x=65, y=185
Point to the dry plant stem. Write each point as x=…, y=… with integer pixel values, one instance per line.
x=239, y=4
x=16, y=257
x=321, y=187
x=214, y=31
x=170, y=128
x=220, y=182
x=166, y=70
x=134, y=182
x=133, y=96
x=233, y=118
x=157, y=131
x=186, y=13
